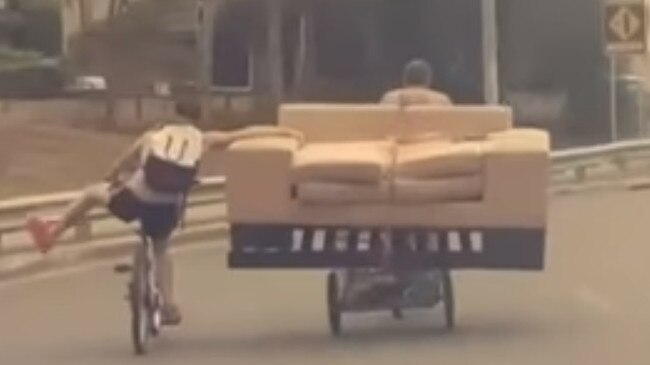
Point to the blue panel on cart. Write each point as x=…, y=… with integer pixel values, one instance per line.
x=285, y=247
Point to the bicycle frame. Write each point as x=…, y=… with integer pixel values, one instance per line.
x=146, y=300
x=153, y=292
x=144, y=295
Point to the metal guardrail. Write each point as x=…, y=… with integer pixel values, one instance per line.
x=619, y=156
x=574, y=162
x=14, y=211
x=584, y=153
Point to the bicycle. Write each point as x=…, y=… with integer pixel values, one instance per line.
x=144, y=296
x=145, y=301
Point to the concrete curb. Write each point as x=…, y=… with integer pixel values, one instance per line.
x=638, y=184
x=600, y=186
x=33, y=264
x=635, y=182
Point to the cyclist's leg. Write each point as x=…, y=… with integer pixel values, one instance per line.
x=165, y=277
x=164, y=270
x=46, y=234
x=93, y=196
x=159, y=221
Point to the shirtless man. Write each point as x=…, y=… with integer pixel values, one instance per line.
x=416, y=89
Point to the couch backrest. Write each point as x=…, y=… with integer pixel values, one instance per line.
x=353, y=122
x=339, y=122
x=466, y=121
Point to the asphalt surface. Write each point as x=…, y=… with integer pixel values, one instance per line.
x=591, y=306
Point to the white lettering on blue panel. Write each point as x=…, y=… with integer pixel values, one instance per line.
x=318, y=242
x=454, y=242
x=476, y=241
x=297, y=238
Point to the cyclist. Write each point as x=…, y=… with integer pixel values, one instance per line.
x=150, y=183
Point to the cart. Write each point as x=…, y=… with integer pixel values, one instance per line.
x=349, y=252
x=379, y=292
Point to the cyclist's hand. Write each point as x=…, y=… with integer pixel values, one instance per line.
x=114, y=180
x=298, y=136
x=110, y=177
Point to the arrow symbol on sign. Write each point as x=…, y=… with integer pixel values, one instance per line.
x=625, y=24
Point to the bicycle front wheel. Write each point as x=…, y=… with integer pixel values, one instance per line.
x=140, y=319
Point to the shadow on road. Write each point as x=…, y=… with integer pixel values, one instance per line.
x=369, y=337
x=412, y=334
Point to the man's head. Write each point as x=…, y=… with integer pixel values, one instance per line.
x=418, y=73
x=188, y=110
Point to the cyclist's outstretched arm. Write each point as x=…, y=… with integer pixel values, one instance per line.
x=216, y=139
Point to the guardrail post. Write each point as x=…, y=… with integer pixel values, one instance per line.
x=138, y=108
x=83, y=231
x=580, y=173
x=620, y=162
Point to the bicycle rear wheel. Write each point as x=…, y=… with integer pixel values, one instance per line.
x=333, y=304
x=140, y=319
x=448, y=299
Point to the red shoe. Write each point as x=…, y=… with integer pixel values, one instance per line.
x=52, y=221
x=41, y=233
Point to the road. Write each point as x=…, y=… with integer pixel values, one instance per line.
x=591, y=306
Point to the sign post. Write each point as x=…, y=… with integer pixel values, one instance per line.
x=625, y=33
x=613, y=98
x=490, y=52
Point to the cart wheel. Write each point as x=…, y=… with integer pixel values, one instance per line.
x=448, y=299
x=333, y=307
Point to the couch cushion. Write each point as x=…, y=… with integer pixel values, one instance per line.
x=285, y=144
x=407, y=138
x=438, y=159
x=350, y=162
x=414, y=191
x=324, y=193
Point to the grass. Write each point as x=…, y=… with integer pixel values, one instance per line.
x=13, y=59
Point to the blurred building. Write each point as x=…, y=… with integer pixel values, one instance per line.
x=247, y=55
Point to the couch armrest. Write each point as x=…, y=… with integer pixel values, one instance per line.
x=535, y=138
x=516, y=175
x=258, y=178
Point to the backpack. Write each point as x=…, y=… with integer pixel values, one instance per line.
x=172, y=158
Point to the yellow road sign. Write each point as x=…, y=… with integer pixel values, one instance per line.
x=625, y=28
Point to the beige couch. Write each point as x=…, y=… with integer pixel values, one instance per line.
x=435, y=168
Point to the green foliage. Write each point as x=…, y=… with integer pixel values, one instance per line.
x=13, y=59
x=39, y=4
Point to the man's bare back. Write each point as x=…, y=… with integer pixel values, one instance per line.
x=415, y=96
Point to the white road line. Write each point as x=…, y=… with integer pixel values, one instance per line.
x=103, y=263
x=595, y=301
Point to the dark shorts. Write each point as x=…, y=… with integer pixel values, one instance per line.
x=158, y=221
